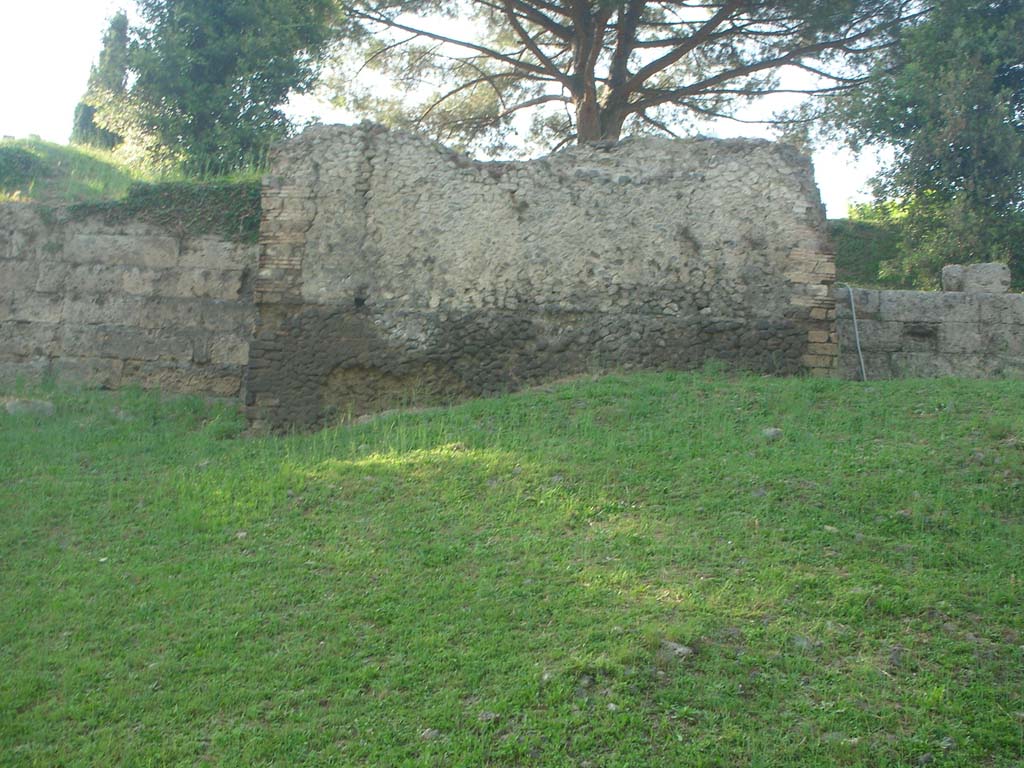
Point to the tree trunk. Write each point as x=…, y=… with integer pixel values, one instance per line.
x=595, y=122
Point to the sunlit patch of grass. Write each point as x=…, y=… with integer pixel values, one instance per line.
x=65, y=173
x=510, y=582
x=40, y=171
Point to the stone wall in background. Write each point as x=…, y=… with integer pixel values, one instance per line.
x=925, y=333
x=393, y=270
x=110, y=305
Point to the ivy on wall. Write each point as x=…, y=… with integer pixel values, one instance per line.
x=226, y=209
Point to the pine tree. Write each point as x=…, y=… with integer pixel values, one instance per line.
x=107, y=78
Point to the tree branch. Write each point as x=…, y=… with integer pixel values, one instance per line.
x=490, y=52
x=697, y=38
x=530, y=43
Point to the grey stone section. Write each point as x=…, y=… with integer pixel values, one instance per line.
x=19, y=406
x=393, y=270
x=87, y=302
x=990, y=277
x=929, y=334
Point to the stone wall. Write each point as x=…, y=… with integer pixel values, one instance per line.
x=111, y=305
x=918, y=333
x=393, y=270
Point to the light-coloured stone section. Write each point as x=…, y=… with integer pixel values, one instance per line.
x=412, y=224
x=990, y=277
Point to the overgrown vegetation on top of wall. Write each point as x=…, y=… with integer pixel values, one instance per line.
x=863, y=249
x=85, y=182
x=885, y=245
x=228, y=209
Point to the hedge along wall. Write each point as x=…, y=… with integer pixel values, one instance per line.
x=393, y=269
x=155, y=292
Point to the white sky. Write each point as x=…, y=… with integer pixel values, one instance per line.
x=47, y=47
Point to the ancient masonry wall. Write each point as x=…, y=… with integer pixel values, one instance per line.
x=107, y=305
x=925, y=334
x=392, y=270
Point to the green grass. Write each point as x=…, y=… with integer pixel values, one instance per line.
x=495, y=584
x=40, y=171
x=32, y=169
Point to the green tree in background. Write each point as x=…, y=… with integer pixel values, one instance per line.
x=209, y=79
x=950, y=101
x=107, y=80
x=594, y=70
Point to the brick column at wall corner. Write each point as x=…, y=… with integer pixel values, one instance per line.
x=812, y=274
x=288, y=212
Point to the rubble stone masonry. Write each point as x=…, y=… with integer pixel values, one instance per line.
x=393, y=270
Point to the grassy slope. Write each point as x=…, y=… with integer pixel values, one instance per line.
x=505, y=573
x=62, y=174
x=67, y=174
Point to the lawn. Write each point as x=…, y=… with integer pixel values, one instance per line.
x=618, y=572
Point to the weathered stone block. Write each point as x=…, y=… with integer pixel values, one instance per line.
x=37, y=307
x=214, y=253
x=961, y=337
x=31, y=371
x=140, y=281
x=866, y=302
x=1002, y=309
x=17, y=275
x=158, y=251
x=874, y=334
x=927, y=307
x=207, y=380
x=125, y=342
x=28, y=339
x=94, y=371
x=990, y=277
x=229, y=350
x=109, y=309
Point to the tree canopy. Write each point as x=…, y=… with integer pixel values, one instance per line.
x=949, y=99
x=108, y=76
x=209, y=79
x=591, y=70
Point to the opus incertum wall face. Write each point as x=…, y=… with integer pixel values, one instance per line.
x=392, y=269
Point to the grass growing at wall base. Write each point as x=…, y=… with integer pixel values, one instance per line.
x=513, y=581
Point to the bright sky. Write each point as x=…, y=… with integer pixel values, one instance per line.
x=47, y=47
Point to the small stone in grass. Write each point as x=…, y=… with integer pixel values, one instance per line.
x=771, y=434
x=676, y=649
x=926, y=759
x=428, y=734
x=17, y=407
x=488, y=717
